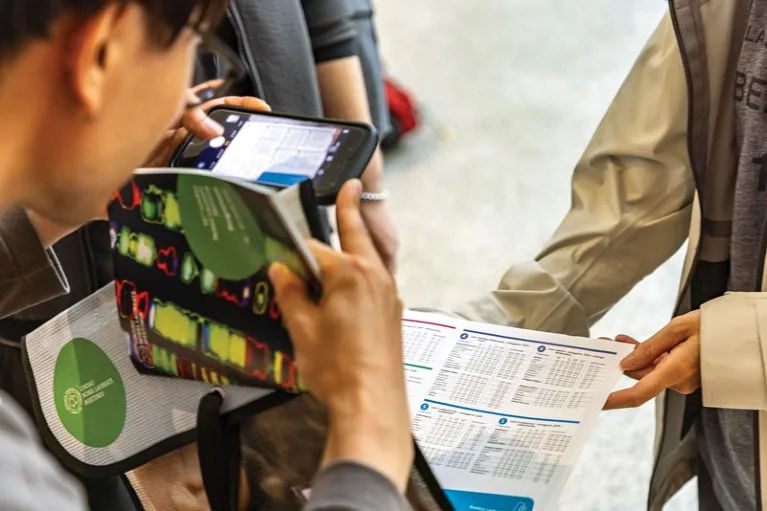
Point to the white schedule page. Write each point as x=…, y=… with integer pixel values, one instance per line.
x=502, y=414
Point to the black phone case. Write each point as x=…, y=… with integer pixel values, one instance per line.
x=354, y=170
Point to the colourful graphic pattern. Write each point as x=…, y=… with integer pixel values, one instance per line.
x=161, y=207
x=169, y=339
x=137, y=246
x=192, y=331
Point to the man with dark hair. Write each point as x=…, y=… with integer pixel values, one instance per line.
x=63, y=84
x=88, y=88
x=299, y=56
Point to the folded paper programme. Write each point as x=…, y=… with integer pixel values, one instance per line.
x=502, y=414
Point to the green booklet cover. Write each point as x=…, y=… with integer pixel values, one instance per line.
x=191, y=255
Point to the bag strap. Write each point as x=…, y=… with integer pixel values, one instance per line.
x=316, y=217
x=424, y=470
x=218, y=448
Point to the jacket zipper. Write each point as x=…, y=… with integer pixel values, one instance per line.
x=763, y=253
x=245, y=50
x=690, y=92
x=757, y=435
x=757, y=439
x=693, y=267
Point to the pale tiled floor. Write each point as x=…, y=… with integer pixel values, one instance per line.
x=522, y=85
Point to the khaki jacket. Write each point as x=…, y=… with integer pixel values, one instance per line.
x=659, y=170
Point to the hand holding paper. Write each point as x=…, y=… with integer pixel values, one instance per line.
x=670, y=359
x=500, y=413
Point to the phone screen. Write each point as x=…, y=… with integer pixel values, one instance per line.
x=271, y=150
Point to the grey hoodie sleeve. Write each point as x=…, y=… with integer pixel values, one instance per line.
x=30, y=479
x=29, y=274
x=349, y=486
x=331, y=29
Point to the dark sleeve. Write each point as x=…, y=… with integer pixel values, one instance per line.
x=372, y=67
x=331, y=29
x=29, y=274
x=348, y=486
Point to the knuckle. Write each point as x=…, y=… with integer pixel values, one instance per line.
x=343, y=265
x=678, y=325
x=366, y=270
x=387, y=283
x=357, y=265
x=351, y=271
x=641, y=351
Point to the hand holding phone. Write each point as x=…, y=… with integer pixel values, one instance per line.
x=282, y=150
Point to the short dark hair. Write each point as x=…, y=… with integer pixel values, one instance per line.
x=22, y=21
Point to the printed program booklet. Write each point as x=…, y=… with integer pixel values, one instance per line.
x=191, y=256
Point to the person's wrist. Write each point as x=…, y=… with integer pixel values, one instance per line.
x=355, y=401
x=387, y=448
x=372, y=430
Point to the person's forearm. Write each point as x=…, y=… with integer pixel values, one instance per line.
x=342, y=86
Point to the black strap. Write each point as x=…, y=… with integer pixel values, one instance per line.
x=424, y=470
x=218, y=447
x=316, y=217
x=15, y=329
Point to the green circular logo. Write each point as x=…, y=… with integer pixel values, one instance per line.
x=89, y=394
x=221, y=230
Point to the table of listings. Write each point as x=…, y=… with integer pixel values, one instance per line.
x=505, y=448
x=495, y=373
x=502, y=413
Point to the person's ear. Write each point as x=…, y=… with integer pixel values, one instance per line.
x=92, y=54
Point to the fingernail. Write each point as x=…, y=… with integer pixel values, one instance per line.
x=215, y=127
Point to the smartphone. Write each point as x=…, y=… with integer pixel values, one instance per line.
x=282, y=150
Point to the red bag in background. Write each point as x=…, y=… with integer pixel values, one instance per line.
x=403, y=112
